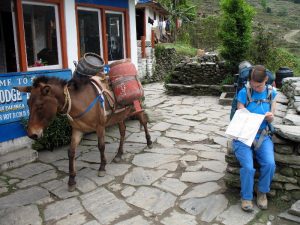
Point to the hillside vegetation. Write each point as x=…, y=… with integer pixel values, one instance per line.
x=279, y=17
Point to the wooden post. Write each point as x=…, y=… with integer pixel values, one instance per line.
x=152, y=38
x=143, y=46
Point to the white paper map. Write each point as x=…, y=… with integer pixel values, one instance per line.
x=244, y=126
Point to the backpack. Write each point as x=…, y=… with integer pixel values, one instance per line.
x=241, y=81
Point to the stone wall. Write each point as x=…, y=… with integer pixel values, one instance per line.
x=197, y=76
x=145, y=65
x=286, y=183
x=166, y=61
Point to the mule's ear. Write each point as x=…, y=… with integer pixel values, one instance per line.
x=45, y=90
x=23, y=88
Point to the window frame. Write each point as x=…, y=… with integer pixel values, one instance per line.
x=84, y=8
x=124, y=31
x=58, y=32
x=103, y=18
x=21, y=32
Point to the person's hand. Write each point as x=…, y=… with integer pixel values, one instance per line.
x=269, y=117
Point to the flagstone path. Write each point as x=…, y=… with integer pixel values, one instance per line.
x=177, y=182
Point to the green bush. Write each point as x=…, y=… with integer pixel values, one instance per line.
x=159, y=50
x=235, y=32
x=183, y=35
x=57, y=134
x=229, y=79
x=280, y=57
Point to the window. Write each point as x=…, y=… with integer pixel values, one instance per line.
x=115, y=35
x=154, y=15
x=42, y=36
x=89, y=24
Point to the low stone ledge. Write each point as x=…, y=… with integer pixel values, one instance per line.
x=287, y=131
x=193, y=89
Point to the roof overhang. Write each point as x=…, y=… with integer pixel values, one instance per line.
x=152, y=4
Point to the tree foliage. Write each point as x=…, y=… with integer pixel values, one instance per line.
x=262, y=45
x=235, y=31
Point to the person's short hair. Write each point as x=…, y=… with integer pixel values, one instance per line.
x=258, y=73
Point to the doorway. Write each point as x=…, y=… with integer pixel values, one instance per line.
x=140, y=23
x=8, y=55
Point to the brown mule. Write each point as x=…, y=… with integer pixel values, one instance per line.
x=50, y=95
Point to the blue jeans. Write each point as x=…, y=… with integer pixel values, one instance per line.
x=265, y=158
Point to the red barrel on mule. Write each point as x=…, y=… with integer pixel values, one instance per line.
x=126, y=87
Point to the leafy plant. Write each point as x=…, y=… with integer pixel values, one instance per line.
x=262, y=45
x=57, y=134
x=168, y=78
x=235, y=32
x=229, y=79
x=184, y=36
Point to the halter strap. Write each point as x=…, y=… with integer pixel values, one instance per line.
x=68, y=102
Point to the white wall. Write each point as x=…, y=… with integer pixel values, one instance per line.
x=132, y=22
x=71, y=33
x=150, y=13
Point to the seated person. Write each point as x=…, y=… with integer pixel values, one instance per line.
x=263, y=148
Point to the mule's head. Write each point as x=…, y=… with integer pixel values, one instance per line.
x=42, y=107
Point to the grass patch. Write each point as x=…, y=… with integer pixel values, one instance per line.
x=181, y=49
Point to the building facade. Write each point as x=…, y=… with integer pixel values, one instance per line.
x=51, y=34
x=45, y=37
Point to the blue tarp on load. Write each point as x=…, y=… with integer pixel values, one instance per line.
x=143, y=1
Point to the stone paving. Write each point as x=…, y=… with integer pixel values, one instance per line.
x=177, y=182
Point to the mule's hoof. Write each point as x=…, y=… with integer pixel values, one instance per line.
x=117, y=159
x=150, y=146
x=101, y=173
x=71, y=188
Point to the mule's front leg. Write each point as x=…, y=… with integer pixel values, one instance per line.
x=76, y=137
x=101, y=146
x=122, y=129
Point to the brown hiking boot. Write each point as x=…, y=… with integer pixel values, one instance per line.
x=261, y=200
x=247, y=205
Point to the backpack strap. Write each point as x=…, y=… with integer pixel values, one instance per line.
x=269, y=128
x=249, y=93
x=269, y=95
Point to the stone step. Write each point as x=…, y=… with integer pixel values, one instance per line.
x=288, y=216
x=226, y=98
x=17, y=158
